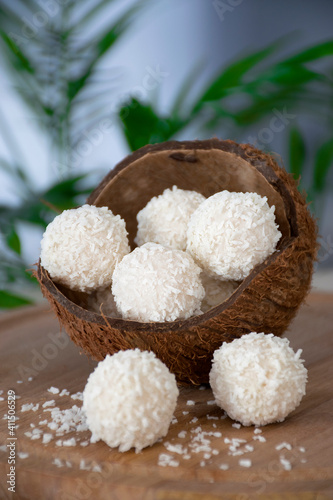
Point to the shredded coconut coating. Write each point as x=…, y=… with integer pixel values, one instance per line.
x=103, y=300
x=216, y=291
x=155, y=283
x=81, y=247
x=165, y=218
x=129, y=400
x=230, y=233
x=258, y=379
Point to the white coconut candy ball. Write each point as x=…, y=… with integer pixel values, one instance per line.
x=216, y=291
x=258, y=379
x=155, y=283
x=129, y=400
x=165, y=218
x=103, y=300
x=81, y=247
x=230, y=233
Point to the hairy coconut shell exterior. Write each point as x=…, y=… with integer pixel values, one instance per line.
x=266, y=301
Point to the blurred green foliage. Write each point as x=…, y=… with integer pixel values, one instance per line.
x=58, y=77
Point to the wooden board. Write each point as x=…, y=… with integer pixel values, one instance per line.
x=31, y=346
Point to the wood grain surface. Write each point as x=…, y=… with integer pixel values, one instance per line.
x=34, y=356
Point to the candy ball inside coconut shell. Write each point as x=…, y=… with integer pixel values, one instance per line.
x=265, y=301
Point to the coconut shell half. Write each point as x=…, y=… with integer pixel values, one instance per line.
x=266, y=301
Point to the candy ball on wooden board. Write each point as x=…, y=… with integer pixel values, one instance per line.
x=258, y=379
x=165, y=218
x=129, y=400
x=81, y=247
x=230, y=233
x=266, y=300
x=155, y=283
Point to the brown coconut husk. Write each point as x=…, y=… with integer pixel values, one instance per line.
x=266, y=301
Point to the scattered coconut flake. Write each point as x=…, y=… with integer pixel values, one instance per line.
x=165, y=460
x=194, y=420
x=68, y=463
x=257, y=430
x=1, y=398
x=259, y=438
x=3, y=447
x=48, y=403
x=283, y=445
x=27, y=407
x=43, y=422
x=236, y=426
x=182, y=434
x=212, y=417
x=53, y=390
x=249, y=447
x=175, y=448
x=211, y=402
x=84, y=443
x=70, y=419
x=36, y=407
x=224, y=466
x=30, y=379
x=58, y=462
x=19, y=381
x=245, y=462
x=185, y=412
x=59, y=442
x=202, y=388
x=22, y=455
x=47, y=437
x=83, y=465
x=301, y=449
x=190, y=402
x=286, y=464
x=64, y=392
x=78, y=395
x=174, y=420
x=35, y=436
x=50, y=409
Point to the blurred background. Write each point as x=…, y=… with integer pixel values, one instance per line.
x=84, y=83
